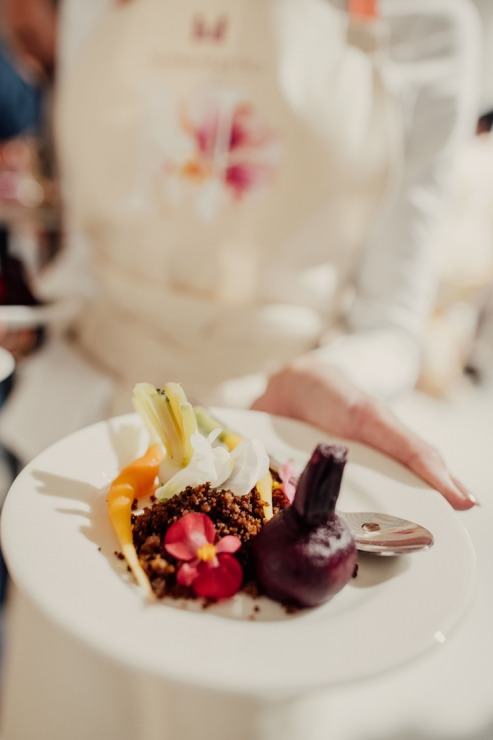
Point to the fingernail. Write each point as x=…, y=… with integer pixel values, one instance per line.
x=466, y=492
x=471, y=497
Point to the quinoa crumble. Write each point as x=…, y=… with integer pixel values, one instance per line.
x=241, y=516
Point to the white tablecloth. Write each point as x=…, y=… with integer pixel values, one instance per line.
x=57, y=688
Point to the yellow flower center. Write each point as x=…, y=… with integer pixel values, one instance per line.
x=206, y=552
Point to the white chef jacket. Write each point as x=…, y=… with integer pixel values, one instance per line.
x=250, y=179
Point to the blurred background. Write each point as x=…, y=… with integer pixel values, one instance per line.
x=30, y=223
x=460, y=338
x=459, y=343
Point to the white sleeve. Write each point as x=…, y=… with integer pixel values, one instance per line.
x=434, y=60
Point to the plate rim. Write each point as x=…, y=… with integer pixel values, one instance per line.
x=239, y=687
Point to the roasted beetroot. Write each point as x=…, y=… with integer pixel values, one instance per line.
x=306, y=554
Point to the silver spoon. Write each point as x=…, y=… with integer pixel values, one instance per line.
x=373, y=532
x=382, y=534
x=377, y=533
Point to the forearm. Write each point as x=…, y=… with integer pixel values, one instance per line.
x=322, y=396
x=433, y=68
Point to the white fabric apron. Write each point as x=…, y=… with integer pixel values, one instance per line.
x=225, y=161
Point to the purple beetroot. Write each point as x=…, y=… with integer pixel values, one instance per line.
x=306, y=554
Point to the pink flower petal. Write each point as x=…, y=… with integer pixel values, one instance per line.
x=187, y=573
x=230, y=543
x=220, y=581
x=188, y=534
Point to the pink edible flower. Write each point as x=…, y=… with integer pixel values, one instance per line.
x=289, y=476
x=208, y=566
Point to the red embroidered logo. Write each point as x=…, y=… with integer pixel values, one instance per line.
x=204, y=31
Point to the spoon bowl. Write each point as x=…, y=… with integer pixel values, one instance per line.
x=383, y=534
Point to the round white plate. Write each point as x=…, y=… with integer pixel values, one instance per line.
x=60, y=550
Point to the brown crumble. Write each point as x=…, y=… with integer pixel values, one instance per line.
x=242, y=516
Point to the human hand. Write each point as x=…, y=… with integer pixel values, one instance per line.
x=314, y=392
x=30, y=28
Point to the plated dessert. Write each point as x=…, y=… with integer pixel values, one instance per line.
x=203, y=515
x=59, y=544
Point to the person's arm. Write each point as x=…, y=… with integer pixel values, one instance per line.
x=434, y=58
x=337, y=387
x=322, y=396
x=30, y=28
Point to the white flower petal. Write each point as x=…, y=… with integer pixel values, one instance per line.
x=224, y=464
x=167, y=469
x=187, y=476
x=237, y=471
x=212, y=436
x=251, y=465
x=208, y=465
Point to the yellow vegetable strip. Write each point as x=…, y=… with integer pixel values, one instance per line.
x=142, y=401
x=177, y=399
x=168, y=416
x=231, y=440
x=264, y=487
x=135, y=481
x=189, y=423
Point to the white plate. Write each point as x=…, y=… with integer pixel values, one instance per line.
x=60, y=550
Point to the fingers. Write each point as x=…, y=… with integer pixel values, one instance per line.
x=429, y=465
x=321, y=396
x=379, y=428
x=442, y=481
x=459, y=496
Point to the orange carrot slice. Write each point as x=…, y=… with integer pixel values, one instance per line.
x=135, y=481
x=141, y=473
